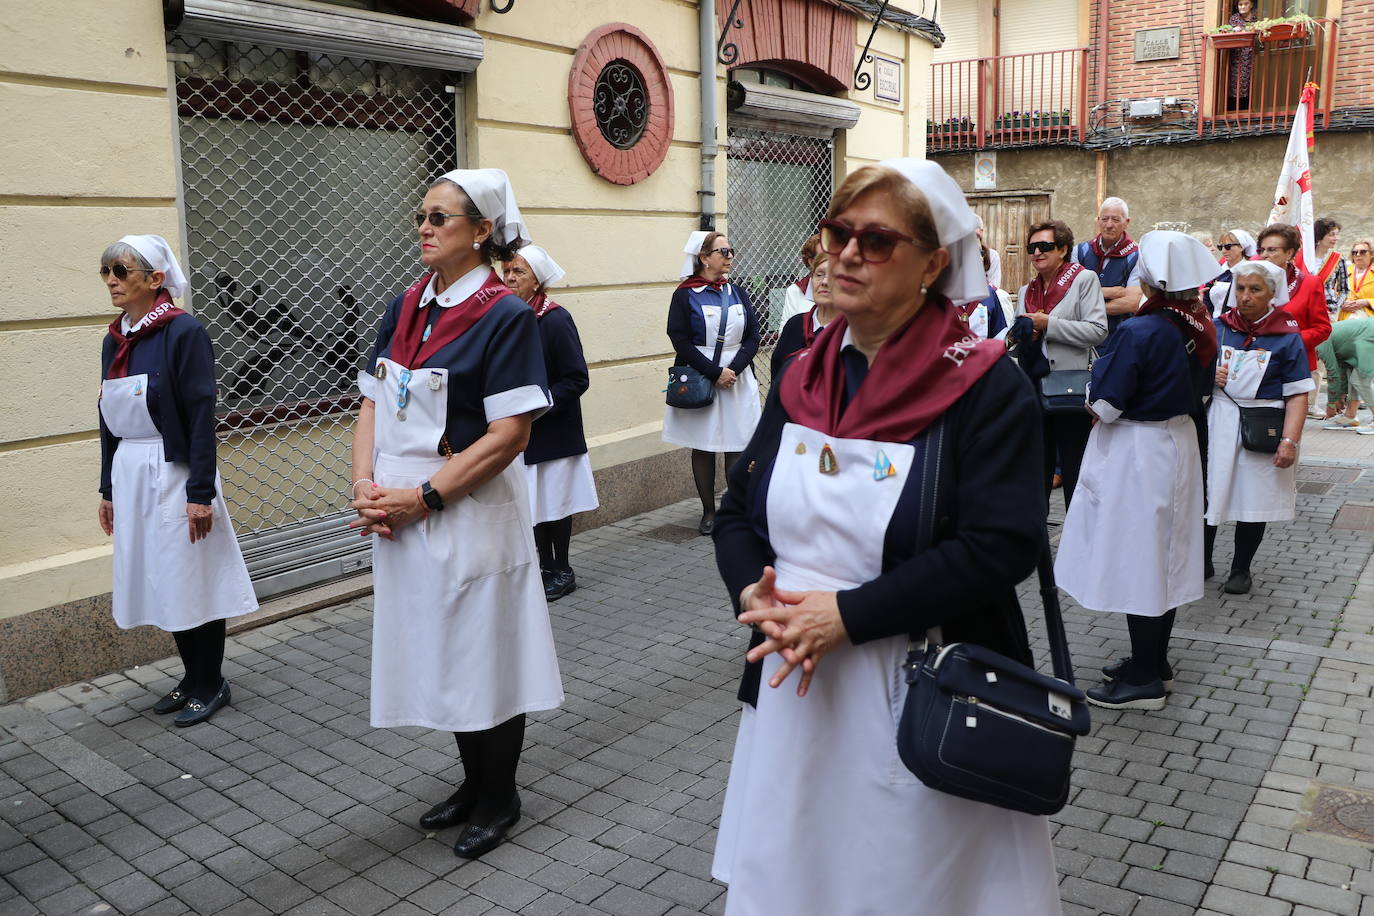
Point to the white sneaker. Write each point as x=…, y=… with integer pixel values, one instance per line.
x=1339, y=422
x=1366, y=431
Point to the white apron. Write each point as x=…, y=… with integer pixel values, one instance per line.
x=727, y=423
x=161, y=579
x=460, y=629
x=561, y=487
x=1244, y=486
x=821, y=817
x=1132, y=540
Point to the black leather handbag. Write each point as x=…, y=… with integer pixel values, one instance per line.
x=687, y=388
x=1261, y=428
x=1065, y=391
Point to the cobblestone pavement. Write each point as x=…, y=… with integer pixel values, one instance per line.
x=288, y=802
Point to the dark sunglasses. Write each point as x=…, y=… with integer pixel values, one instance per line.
x=120, y=271
x=436, y=219
x=727, y=252
x=1360, y=251
x=875, y=245
x=1040, y=247
x=1227, y=246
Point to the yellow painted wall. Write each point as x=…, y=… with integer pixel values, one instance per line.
x=886, y=129
x=85, y=157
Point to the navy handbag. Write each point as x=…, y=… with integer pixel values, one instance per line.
x=687, y=388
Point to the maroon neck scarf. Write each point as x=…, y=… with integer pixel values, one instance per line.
x=1276, y=322
x=542, y=304
x=918, y=374
x=1124, y=246
x=1294, y=280
x=162, y=312
x=407, y=346
x=803, y=283
x=1196, y=320
x=699, y=282
x=1042, y=299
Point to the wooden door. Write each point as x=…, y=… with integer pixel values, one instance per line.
x=1007, y=218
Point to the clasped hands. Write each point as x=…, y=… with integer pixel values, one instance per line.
x=800, y=626
x=727, y=378
x=383, y=510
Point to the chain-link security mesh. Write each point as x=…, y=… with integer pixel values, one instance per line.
x=300, y=174
x=778, y=185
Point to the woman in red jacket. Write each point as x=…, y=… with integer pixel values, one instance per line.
x=1279, y=245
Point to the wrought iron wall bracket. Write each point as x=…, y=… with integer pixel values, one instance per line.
x=727, y=53
x=502, y=7
x=863, y=80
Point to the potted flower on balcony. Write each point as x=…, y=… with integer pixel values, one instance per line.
x=1233, y=36
x=1293, y=27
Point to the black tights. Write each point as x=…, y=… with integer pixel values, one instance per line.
x=202, y=655
x=1248, y=538
x=490, y=759
x=1149, y=646
x=704, y=474
x=552, y=539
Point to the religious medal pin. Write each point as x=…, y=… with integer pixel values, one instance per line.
x=828, y=464
x=434, y=381
x=801, y=448
x=381, y=371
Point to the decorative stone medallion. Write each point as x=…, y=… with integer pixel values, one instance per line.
x=620, y=102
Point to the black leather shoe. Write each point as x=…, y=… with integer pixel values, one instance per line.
x=1114, y=671
x=561, y=582
x=448, y=813
x=171, y=702
x=707, y=524
x=196, y=712
x=1121, y=695
x=478, y=839
x=1238, y=584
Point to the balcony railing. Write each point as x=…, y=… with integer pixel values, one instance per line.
x=1012, y=100
x=1278, y=63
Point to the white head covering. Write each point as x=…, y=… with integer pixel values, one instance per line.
x=546, y=269
x=1247, y=241
x=158, y=254
x=1278, y=279
x=691, y=250
x=490, y=190
x=955, y=225
x=1174, y=261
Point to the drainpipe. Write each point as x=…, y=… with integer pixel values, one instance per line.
x=707, y=193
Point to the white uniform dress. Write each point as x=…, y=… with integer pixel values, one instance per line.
x=727, y=423
x=561, y=487
x=852, y=831
x=161, y=579
x=1245, y=486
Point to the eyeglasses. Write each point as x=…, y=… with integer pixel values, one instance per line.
x=436, y=219
x=1227, y=246
x=1360, y=251
x=875, y=245
x=1040, y=247
x=121, y=271
x=1272, y=250
x=725, y=252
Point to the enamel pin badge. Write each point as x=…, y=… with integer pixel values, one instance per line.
x=882, y=467
x=380, y=372
x=801, y=448
x=828, y=464
x=434, y=381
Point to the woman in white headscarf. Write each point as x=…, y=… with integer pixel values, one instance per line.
x=858, y=515
x=461, y=638
x=556, y=460
x=1261, y=363
x=703, y=302
x=1236, y=245
x=1134, y=545
x=177, y=565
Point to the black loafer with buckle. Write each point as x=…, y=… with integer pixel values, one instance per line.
x=196, y=712
x=171, y=702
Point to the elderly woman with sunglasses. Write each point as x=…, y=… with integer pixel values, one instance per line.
x=1068, y=317
x=694, y=320
x=829, y=548
x=461, y=640
x=1236, y=245
x=177, y=565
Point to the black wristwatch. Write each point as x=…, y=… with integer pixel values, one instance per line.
x=433, y=501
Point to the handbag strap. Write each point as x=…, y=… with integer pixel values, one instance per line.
x=927, y=512
x=720, y=331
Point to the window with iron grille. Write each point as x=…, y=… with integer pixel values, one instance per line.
x=300, y=173
x=779, y=185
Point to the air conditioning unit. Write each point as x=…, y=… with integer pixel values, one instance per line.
x=1147, y=108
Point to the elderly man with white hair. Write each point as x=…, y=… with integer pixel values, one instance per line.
x=1114, y=256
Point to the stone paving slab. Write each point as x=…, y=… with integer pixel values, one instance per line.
x=289, y=802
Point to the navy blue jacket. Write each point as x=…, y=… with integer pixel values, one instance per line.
x=558, y=433
x=687, y=330
x=1116, y=272
x=1146, y=374
x=180, y=364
